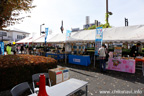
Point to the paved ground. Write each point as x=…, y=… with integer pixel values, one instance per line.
x=110, y=81
x=117, y=82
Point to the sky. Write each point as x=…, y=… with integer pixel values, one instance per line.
x=74, y=12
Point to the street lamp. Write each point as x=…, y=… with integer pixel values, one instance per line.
x=40, y=27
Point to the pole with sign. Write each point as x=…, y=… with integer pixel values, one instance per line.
x=46, y=34
x=68, y=33
x=98, y=41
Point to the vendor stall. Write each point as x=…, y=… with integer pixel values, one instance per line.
x=79, y=59
x=55, y=56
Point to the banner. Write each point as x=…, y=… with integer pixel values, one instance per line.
x=98, y=39
x=121, y=65
x=46, y=34
x=2, y=48
x=68, y=33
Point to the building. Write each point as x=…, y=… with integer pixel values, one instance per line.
x=9, y=36
x=88, y=24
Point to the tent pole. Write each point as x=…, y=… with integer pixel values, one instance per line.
x=65, y=53
x=94, y=54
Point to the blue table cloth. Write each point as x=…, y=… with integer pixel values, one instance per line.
x=56, y=56
x=79, y=59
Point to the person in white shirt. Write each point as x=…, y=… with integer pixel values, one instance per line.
x=102, y=55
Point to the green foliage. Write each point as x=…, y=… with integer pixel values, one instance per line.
x=94, y=26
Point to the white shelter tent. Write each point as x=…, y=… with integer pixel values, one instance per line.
x=115, y=34
x=24, y=40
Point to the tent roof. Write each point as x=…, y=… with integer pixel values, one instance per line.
x=115, y=34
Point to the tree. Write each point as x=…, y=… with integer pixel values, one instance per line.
x=11, y=9
x=102, y=25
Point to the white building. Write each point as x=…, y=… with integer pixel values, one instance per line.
x=9, y=36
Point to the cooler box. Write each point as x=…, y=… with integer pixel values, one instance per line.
x=58, y=75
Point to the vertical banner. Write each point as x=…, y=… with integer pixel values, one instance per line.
x=2, y=48
x=68, y=33
x=98, y=39
x=46, y=34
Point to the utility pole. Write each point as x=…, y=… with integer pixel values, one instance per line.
x=107, y=14
x=106, y=11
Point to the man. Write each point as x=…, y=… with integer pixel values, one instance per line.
x=134, y=50
x=102, y=55
x=8, y=49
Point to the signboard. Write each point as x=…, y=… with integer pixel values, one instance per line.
x=98, y=39
x=121, y=65
x=2, y=48
x=46, y=34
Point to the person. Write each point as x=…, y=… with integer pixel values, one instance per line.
x=134, y=50
x=102, y=55
x=22, y=48
x=107, y=55
x=8, y=49
x=63, y=50
x=85, y=52
x=14, y=49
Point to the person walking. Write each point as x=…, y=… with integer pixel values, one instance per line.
x=102, y=55
x=8, y=49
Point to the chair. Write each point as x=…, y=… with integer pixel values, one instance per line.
x=35, y=78
x=20, y=88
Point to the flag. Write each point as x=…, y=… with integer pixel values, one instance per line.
x=46, y=34
x=68, y=33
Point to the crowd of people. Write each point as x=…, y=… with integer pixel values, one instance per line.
x=18, y=49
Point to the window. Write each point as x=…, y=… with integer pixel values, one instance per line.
x=19, y=37
x=3, y=34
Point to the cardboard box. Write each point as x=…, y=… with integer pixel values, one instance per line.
x=58, y=75
x=65, y=75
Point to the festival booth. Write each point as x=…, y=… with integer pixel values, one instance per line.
x=124, y=34
x=129, y=34
x=58, y=41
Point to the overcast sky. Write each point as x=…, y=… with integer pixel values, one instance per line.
x=74, y=12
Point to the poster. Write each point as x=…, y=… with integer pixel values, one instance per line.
x=121, y=65
x=98, y=39
x=117, y=51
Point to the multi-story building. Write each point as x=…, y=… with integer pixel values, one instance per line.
x=9, y=36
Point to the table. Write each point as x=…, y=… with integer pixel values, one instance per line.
x=65, y=88
x=79, y=59
x=55, y=56
x=140, y=60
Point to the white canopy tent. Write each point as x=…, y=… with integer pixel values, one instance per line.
x=115, y=34
x=23, y=40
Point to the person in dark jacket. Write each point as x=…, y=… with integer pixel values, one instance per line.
x=134, y=50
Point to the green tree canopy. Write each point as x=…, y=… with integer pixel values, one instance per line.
x=11, y=9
